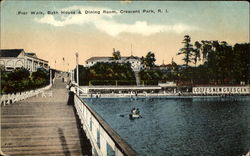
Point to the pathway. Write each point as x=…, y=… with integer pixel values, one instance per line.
x=43, y=126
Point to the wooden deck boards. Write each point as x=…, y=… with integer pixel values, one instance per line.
x=43, y=126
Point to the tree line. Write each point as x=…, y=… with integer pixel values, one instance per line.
x=205, y=62
x=219, y=62
x=106, y=74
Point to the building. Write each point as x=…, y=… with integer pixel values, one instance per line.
x=168, y=67
x=16, y=58
x=135, y=61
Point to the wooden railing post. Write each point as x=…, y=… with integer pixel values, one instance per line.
x=9, y=95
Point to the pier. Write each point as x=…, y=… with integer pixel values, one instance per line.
x=43, y=125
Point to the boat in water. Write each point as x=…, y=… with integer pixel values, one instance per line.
x=135, y=114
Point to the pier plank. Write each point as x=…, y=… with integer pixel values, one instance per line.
x=43, y=126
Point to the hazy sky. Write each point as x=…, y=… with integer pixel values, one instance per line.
x=53, y=37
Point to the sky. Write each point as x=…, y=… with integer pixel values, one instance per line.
x=56, y=36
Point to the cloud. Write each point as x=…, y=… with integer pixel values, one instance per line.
x=107, y=24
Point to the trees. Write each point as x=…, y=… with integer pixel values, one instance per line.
x=222, y=63
x=149, y=60
x=206, y=49
x=116, y=54
x=18, y=74
x=107, y=74
x=196, y=52
x=40, y=77
x=21, y=80
x=241, y=59
x=41, y=73
x=186, y=50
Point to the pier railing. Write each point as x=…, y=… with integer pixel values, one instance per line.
x=104, y=140
x=6, y=99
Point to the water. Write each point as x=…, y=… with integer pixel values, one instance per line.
x=183, y=126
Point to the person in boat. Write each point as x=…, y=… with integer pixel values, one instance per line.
x=137, y=111
x=133, y=111
x=135, y=114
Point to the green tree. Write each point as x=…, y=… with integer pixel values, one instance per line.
x=41, y=73
x=206, y=49
x=186, y=50
x=40, y=77
x=107, y=74
x=116, y=55
x=16, y=81
x=149, y=60
x=196, y=52
x=19, y=74
x=241, y=65
x=21, y=79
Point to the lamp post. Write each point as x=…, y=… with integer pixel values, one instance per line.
x=77, y=72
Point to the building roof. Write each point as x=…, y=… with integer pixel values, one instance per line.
x=31, y=55
x=166, y=65
x=106, y=58
x=16, y=53
x=132, y=57
x=10, y=52
x=99, y=58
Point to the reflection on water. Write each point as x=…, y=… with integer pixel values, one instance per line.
x=188, y=126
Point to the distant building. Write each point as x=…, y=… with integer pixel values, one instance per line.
x=135, y=61
x=168, y=67
x=16, y=58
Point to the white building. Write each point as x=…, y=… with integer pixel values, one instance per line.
x=16, y=58
x=135, y=62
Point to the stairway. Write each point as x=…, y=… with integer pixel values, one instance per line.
x=137, y=78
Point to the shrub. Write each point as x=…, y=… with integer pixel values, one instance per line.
x=20, y=80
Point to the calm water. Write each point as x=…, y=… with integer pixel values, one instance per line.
x=183, y=126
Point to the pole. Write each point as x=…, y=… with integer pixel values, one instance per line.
x=73, y=75
x=77, y=72
x=50, y=76
x=131, y=50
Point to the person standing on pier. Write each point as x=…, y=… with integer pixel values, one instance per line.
x=72, y=92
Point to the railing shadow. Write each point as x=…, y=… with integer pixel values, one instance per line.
x=84, y=141
x=63, y=142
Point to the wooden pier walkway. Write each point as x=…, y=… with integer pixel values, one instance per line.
x=43, y=126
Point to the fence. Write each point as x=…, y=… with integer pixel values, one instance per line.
x=14, y=97
x=104, y=140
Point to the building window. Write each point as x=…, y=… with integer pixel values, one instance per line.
x=9, y=68
x=18, y=64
